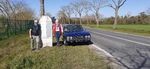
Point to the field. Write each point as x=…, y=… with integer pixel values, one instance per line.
x=15, y=53
x=132, y=29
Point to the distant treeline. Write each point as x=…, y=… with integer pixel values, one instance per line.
x=142, y=18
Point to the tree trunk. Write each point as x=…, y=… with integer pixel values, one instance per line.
x=97, y=22
x=69, y=20
x=97, y=19
x=80, y=19
x=75, y=18
x=87, y=19
x=64, y=20
x=42, y=10
x=116, y=18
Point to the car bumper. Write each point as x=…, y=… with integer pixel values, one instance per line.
x=79, y=38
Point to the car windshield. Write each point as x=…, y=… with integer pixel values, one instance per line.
x=73, y=28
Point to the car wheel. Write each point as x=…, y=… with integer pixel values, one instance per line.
x=65, y=42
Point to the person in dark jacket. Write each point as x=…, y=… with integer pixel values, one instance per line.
x=35, y=33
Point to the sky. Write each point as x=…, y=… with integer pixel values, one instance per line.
x=132, y=7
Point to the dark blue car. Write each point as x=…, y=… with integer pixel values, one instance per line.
x=75, y=33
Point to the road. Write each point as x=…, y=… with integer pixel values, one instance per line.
x=133, y=52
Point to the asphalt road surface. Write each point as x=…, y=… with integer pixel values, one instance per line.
x=133, y=52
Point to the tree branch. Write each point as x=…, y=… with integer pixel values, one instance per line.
x=122, y=3
x=114, y=2
x=111, y=6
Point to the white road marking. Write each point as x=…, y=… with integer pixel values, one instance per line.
x=127, y=34
x=122, y=38
x=108, y=54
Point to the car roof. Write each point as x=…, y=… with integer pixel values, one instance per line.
x=71, y=24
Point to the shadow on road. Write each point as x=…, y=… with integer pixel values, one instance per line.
x=137, y=58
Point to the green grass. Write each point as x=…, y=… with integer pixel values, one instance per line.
x=132, y=29
x=15, y=53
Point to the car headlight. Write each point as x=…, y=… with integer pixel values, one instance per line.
x=89, y=36
x=70, y=37
x=86, y=36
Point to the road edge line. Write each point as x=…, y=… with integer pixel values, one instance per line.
x=114, y=63
x=123, y=33
x=102, y=50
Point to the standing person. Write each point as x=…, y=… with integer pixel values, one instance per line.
x=57, y=30
x=35, y=33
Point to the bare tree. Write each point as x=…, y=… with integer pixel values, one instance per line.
x=148, y=13
x=75, y=14
x=62, y=16
x=62, y=13
x=22, y=11
x=148, y=10
x=96, y=5
x=6, y=8
x=116, y=6
x=87, y=8
x=48, y=14
x=79, y=8
x=42, y=10
x=92, y=18
x=16, y=10
x=68, y=11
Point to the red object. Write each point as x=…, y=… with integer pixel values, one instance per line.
x=54, y=28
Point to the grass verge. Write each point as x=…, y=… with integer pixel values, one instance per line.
x=15, y=53
x=143, y=30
